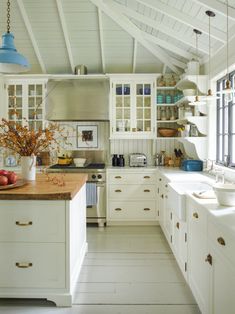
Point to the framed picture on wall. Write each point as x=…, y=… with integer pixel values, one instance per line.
x=87, y=136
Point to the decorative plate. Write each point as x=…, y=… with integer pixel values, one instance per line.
x=19, y=183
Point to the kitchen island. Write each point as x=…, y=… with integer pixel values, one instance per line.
x=43, y=238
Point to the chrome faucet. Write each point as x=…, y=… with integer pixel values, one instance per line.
x=219, y=174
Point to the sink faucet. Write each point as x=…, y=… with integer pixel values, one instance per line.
x=219, y=174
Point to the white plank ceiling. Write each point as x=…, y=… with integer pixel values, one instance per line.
x=115, y=36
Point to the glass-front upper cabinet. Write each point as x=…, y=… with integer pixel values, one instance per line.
x=26, y=102
x=132, y=106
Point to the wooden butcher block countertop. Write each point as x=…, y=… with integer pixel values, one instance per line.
x=42, y=189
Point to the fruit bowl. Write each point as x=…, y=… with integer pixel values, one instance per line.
x=167, y=132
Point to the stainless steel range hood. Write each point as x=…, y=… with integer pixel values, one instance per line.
x=78, y=100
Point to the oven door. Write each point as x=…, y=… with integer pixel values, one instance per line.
x=96, y=208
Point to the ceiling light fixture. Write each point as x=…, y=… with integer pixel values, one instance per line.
x=227, y=90
x=10, y=60
x=210, y=95
x=196, y=100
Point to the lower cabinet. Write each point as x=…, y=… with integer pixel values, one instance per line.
x=42, y=247
x=197, y=251
x=221, y=262
x=131, y=196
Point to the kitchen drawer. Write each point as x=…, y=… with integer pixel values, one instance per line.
x=142, y=210
x=222, y=241
x=132, y=178
x=32, y=221
x=30, y=265
x=133, y=191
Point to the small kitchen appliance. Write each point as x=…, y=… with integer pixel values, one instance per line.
x=137, y=160
x=191, y=165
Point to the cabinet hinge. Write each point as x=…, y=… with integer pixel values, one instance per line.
x=171, y=238
x=185, y=266
x=112, y=85
x=171, y=216
x=157, y=190
x=158, y=213
x=185, y=237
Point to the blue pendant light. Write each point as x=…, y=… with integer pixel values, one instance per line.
x=10, y=60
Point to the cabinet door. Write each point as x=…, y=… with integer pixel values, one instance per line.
x=35, y=105
x=143, y=108
x=222, y=283
x=15, y=101
x=122, y=111
x=197, y=250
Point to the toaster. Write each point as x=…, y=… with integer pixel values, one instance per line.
x=137, y=160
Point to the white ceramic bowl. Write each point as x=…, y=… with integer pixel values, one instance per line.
x=79, y=162
x=225, y=193
x=189, y=92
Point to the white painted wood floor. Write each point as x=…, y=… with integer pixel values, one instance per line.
x=128, y=270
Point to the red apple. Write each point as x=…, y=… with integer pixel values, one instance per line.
x=3, y=180
x=12, y=177
x=3, y=172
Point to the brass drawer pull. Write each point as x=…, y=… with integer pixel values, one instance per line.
x=166, y=186
x=195, y=215
x=118, y=177
x=146, y=177
x=118, y=191
x=146, y=191
x=209, y=259
x=24, y=224
x=221, y=241
x=24, y=265
x=160, y=179
x=146, y=208
x=118, y=209
x=162, y=196
x=177, y=225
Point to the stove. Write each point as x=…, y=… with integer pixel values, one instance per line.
x=95, y=171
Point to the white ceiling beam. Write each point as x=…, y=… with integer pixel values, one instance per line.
x=134, y=55
x=184, y=18
x=31, y=35
x=186, y=40
x=217, y=7
x=66, y=33
x=113, y=12
x=168, y=46
x=101, y=40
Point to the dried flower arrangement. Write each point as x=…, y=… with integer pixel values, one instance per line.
x=28, y=142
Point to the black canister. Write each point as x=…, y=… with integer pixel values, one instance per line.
x=115, y=160
x=121, y=161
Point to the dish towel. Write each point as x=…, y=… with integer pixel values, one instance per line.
x=91, y=194
x=205, y=194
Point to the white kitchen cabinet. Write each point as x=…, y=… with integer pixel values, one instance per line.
x=131, y=196
x=42, y=247
x=221, y=261
x=132, y=106
x=25, y=100
x=197, y=252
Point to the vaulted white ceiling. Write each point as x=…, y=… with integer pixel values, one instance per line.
x=108, y=36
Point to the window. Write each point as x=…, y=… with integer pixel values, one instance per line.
x=225, y=149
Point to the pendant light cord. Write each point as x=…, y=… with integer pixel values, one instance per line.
x=227, y=40
x=8, y=16
x=197, y=59
x=209, y=50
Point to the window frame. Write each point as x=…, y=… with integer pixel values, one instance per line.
x=221, y=105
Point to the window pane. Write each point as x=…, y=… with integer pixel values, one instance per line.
x=226, y=145
x=233, y=150
x=220, y=148
x=226, y=120
x=220, y=124
x=233, y=120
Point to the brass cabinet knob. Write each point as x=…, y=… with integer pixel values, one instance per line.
x=146, y=177
x=146, y=209
x=118, y=177
x=162, y=196
x=160, y=179
x=24, y=265
x=221, y=241
x=177, y=225
x=209, y=259
x=146, y=191
x=24, y=224
x=195, y=215
x=118, y=191
x=118, y=209
x=166, y=186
